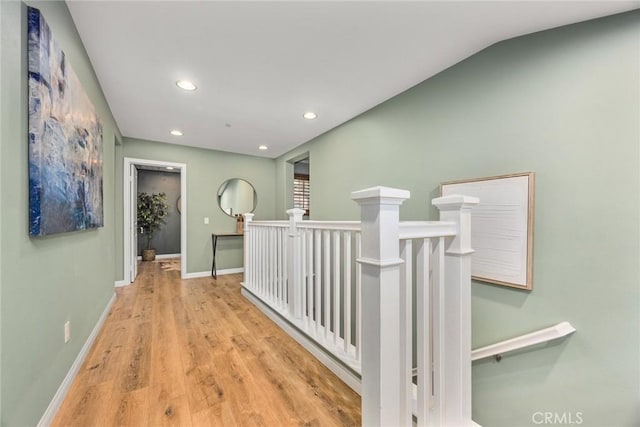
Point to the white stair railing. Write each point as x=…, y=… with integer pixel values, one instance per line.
x=306, y=271
x=361, y=312
x=443, y=289
x=265, y=260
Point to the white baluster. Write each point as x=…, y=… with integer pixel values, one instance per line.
x=256, y=258
x=309, y=262
x=285, y=268
x=269, y=270
x=423, y=332
x=438, y=329
x=263, y=260
x=327, y=283
x=406, y=339
x=260, y=269
x=336, y=287
x=248, y=251
x=293, y=263
x=303, y=277
x=273, y=259
x=347, y=291
x=274, y=267
x=382, y=379
x=318, y=279
x=456, y=355
x=358, y=298
x=281, y=298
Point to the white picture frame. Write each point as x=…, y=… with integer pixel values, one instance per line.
x=501, y=227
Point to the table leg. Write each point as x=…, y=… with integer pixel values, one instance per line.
x=214, y=272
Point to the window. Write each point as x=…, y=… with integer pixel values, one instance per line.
x=301, y=192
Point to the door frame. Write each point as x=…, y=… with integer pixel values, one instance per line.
x=133, y=199
x=128, y=234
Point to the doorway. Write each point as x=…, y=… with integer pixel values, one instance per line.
x=155, y=180
x=302, y=185
x=130, y=191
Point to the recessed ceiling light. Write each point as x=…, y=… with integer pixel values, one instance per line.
x=169, y=168
x=309, y=115
x=186, y=85
x=176, y=132
x=263, y=147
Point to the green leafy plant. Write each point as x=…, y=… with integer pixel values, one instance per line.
x=152, y=210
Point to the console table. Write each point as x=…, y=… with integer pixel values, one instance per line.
x=214, y=241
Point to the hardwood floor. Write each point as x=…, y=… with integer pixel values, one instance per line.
x=196, y=353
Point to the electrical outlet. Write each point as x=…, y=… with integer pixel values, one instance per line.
x=67, y=331
x=206, y=220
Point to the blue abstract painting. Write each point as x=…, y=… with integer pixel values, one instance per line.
x=65, y=141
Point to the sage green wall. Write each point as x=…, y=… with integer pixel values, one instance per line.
x=206, y=171
x=45, y=281
x=564, y=104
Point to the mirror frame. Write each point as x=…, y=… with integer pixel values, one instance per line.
x=219, y=195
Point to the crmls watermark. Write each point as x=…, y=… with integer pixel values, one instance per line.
x=557, y=418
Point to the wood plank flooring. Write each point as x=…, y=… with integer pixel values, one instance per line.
x=196, y=353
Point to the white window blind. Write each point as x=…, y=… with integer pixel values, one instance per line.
x=301, y=192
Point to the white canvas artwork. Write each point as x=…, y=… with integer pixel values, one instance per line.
x=501, y=228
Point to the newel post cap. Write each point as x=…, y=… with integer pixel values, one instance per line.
x=454, y=202
x=295, y=214
x=389, y=195
x=295, y=211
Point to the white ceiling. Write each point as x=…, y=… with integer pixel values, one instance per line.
x=260, y=65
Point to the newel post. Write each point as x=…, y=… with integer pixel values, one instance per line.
x=382, y=354
x=294, y=271
x=456, y=357
x=249, y=249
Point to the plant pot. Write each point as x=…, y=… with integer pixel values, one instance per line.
x=148, y=254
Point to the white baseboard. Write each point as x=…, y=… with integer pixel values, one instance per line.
x=208, y=273
x=349, y=377
x=61, y=393
x=165, y=256
x=196, y=275
x=119, y=283
x=230, y=271
x=162, y=256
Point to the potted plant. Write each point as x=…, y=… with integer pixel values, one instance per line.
x=152, y=209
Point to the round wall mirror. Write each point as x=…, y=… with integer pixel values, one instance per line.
x=237, y=196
